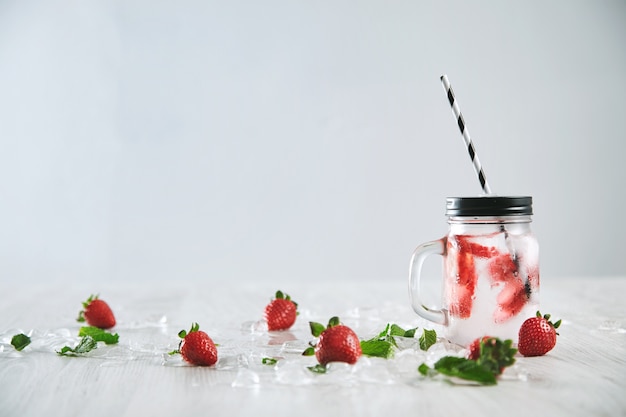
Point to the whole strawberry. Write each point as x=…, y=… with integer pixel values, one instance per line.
x=96, y=313
x=196, y=347
x=474, y=347
x=336, y=343
x=492, y=353
x=537, y=335
x=281, y=312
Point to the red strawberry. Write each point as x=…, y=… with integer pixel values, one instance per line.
x=337, y=343
x=97, y=313
x=474, y=347
x=492, y=353
x=197, y=348
x=281, y=312
x=537, y=335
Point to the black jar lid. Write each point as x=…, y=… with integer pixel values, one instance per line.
x=489, y=206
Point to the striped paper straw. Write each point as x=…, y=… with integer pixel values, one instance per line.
x=466, y=136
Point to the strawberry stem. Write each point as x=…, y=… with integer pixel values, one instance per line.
x=547, y=318
x=316, y=328
x=334, y=321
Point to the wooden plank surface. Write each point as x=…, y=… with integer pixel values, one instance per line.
x=584, y=375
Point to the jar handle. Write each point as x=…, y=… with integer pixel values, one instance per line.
x=435, y=247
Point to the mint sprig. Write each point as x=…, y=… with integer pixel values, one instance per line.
x=99, y=335
x=20, y=341
x=461, y=368
x=86, y=344
x=494, y=356
x=384, y=344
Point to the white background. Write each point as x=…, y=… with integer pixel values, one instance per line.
x=300, y=140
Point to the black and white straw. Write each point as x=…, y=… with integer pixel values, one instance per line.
x=466, y=136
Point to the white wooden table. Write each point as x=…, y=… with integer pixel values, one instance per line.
x=585, y=375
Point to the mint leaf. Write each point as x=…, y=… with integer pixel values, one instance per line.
x=318, y=369
x=20, y=341
x=377, y=348
x=465, y=369
x=427, y=339
x=410, y=332
x=385, y=332
x=99, y=335
x=425, y=369
x=86, y=344
x=383, y=345
x=269, y=361
x=396, y=330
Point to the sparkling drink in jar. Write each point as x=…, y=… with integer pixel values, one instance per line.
x=491, y=269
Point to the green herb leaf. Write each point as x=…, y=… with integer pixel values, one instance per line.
x=99, y=335
x=310, y=351
x=395, y=330
x=410, y=332
x=318, y=369
x=495, y=355
x=427, y=339
x=377, y=348
x=316, y=328
x=385, y=332
x=20, y=341
x=269, y=361
x=383, y=345
x=86, y=344
x=465, y=369
x=424, y=369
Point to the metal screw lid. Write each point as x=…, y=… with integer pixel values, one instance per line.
x=489, y=206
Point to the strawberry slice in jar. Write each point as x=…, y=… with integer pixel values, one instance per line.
x=504, y=271
x=463, y=277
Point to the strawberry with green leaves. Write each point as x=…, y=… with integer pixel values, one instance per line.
x=492, y=353
x=336, y=343
x=281, y=312
x=96, y=313
x=487, y=358
x=537, y=335
x=196, y=347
